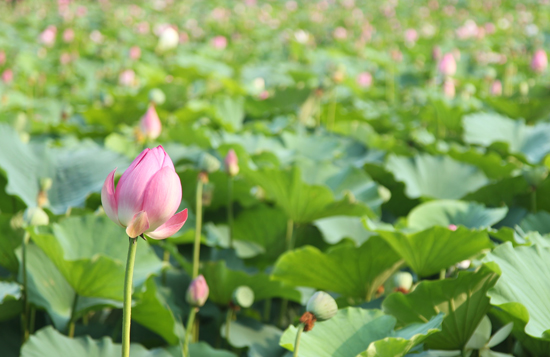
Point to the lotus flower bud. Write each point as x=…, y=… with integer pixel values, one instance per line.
x=322, y=306
x=168, y=39
x=449, y=88
x=68, y=35
x=197, y=292
x=535, y=175
x=209, y=163
x=539, y=61
x=7, y=76
x=157, y=96
x=436, y=53
x=35, y=216
x=231, y=163
x=452, y=227
x=150, y=124
x=147, y=196
x=401, y=281
x=2, y=57
x=496, y=88
x=243, y=296
x=135, y=53
x=219, y=42
x=127, y=78
x=47, y=37
x=447, y=65
x=364, y=79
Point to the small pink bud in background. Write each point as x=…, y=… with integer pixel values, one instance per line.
x=147, y=196
x=2, y=57
x=453, y=227
x=364, y=79
x=490, y=28
x=449, y=88
x=150, y=124
x=340, y=33
x=127, y=78
x=539, y=62
x=411, y=36
x=219, y=42
x=197, y=292
x=135, y=53
x=436, y=53
x=496, y=88
x=7, y=76
x=231, y=163
x=184, y=37
x=68, y=35
x=447, y=65
x=263, y=95
x=81, y=11
x=47, y=37
x=65, y=58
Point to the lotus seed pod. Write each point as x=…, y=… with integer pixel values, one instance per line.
x=45, y=183
x=231, y=163
x=401, y=281
x=243, y=296
x=157, y=96
x=35, y=216
x=197, y=292
x=535, y=175
x=322, y=305
x=209, y=163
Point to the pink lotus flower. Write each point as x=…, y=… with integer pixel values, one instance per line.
x=150, y=123
x=539, y=62
x=65, y=58
x=146, y=197
x=453, y=227
x=449, y=88
x=496, y=88
x=47, y=37
x=127, y=78
x=7, y=76
x=364, y=79
x=219, y=42
x=447, y=65
x=340, y=33
x=135, y=53
x=68, y=35
x=231, y=163
x=2, y=57
x=197, y=292
x=436, y=53
x=411, y=36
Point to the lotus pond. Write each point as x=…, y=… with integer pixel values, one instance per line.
x=358, y=178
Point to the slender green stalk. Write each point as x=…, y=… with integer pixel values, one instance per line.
x=267, y=309
x=127, y=307
x=198, y=228
x=228, y=320
x=33, y=318
x=165, y=259
x=25, y=316
x=332, y=111
x=230, y=209
x=289, y=246
x=73, y=317
x=297, y=343
x=534, y=201
x=442, y=274
x=188, y=330
x=390, y=84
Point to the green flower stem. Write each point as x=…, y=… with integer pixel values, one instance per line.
x=332, y=110
x=534, y=201
x=390, y=84
x=228, y=319
x=198, y=228
x=127, y=307
x=73, y=317
x=25, y=316
x=267, y=309
x=289, y=246
x=165, y=259
x=230, y=209
x=297, y=343
x=188, y=330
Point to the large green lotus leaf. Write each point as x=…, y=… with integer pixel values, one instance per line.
x=488, y=128
x=429, y=251
x=76, y=169
x=153, y=311
x=91, y=251
x=303, y=203
x=359, y=332
x=436, y=176
x=536, y=222
x=463, y=300
x=48, y=289
x=203, y=349
x=223, y=281
x=261, y=340
x=519, y=106
x=334, y=229
x=11, y=304
x=11, y=336
x=347, y=270
x=489, y=162
x=230, y=112
x=519, y=290
x=218, y=235
x=445, y=212
x=10, y=239
x=503, y=192
x=50, y=343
